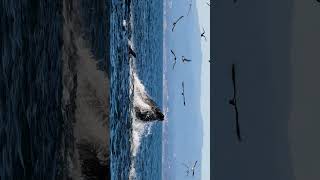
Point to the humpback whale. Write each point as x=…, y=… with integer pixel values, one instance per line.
x=144, y=107
x=151, y=115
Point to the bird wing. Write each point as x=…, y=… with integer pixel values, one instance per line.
x=195, y=164
x=189, y=9
x=173, y=27
x=203, y=30
x=179, y=18
x=185, y=165
x=234, y=81
x=172, y=52
x=237, y=124
x=174, y=64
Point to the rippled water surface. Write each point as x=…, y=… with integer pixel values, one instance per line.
x=135, y=146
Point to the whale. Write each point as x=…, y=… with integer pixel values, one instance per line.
x=145, y=108
x=152, y=114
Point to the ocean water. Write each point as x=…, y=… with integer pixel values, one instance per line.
x=136, y=151
x=30, y=77
x=35, y=126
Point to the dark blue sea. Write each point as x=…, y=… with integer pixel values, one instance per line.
x=30, y=89
x=136, y=147
x=35, y=130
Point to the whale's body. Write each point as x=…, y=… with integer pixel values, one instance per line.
x=154, y=112
x=144, y=107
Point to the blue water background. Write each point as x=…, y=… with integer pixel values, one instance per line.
x=147, y=40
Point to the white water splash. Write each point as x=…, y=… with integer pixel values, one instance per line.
x=140, y=129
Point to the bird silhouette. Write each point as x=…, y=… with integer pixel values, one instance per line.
x=233, y=102
x=190, y=5
x=191, y=169
x=202, y=34
x=184, y=99
x=175, y=23
x=185, y=59
x=175, y=58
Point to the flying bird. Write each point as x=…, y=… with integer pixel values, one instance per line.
x=184, y=99
x=233, y=102
x=175, y=58
x=190, y=5
x=185, y=59
x=175, y=23
x=208, y=3
x=202, y=34
x=192, y=169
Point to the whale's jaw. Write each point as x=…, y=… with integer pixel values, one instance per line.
x=152, y=115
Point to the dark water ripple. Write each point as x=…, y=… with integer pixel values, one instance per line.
x=30, y=89
x=119, y=97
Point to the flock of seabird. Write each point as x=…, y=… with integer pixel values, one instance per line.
x=190, y=169
x=183, y=58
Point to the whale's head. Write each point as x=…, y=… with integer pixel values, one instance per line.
x=160, y=115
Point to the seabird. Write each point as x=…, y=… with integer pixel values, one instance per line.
x=184, y=99
x=189, y=8
x=233, y=102
x=174, y=23
x=202, y=34
x=191, y=169
x=175, y=59
x=185, y=60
